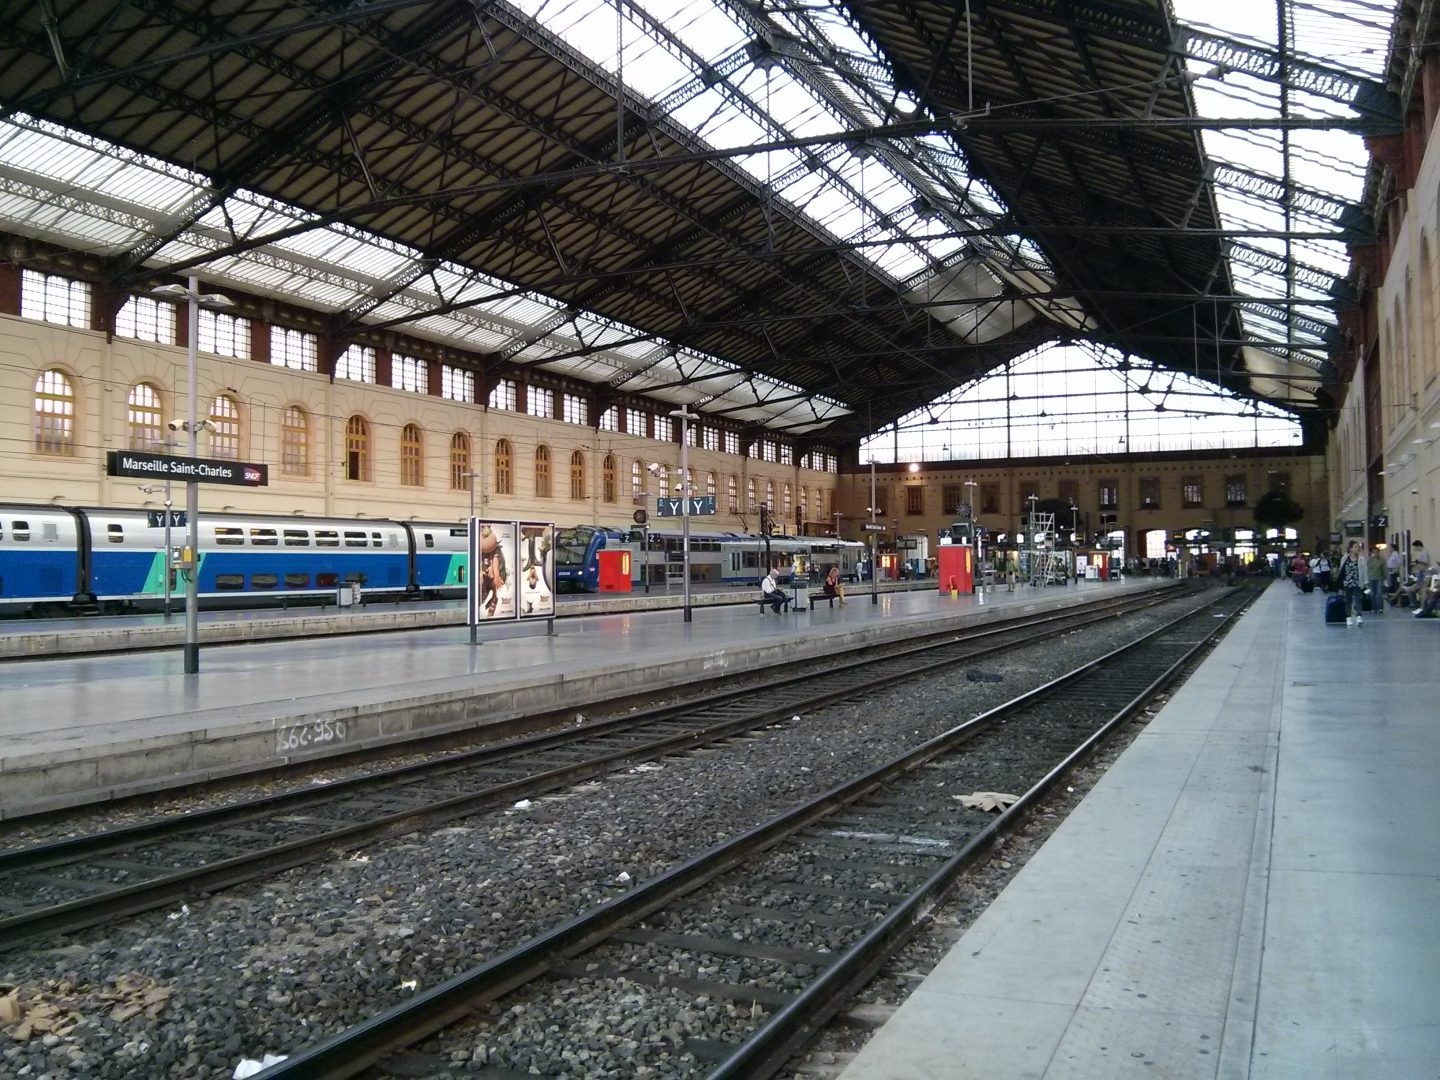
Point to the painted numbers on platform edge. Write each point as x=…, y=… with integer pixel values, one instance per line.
x=305, y=736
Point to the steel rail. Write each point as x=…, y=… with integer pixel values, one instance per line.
x=352, y=1051
x=717, y=721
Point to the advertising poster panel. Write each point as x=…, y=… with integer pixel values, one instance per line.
x=536, y=554
x=494, y=587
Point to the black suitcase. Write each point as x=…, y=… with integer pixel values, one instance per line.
x=1307, y=584
x=1365, y=604
x=1334, y=609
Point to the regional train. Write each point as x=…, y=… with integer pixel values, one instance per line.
x=716, y=558
x=56, y=559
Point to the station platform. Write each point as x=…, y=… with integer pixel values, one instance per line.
x=83, y=728
x=1250, y=892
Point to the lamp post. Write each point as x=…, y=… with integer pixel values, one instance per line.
x=470, y=524
x=874, y=567
x=193, y=299
x=685, y=416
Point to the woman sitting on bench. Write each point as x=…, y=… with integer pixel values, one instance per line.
x=833, y=587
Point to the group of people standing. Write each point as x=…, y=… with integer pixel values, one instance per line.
x=1374, y=577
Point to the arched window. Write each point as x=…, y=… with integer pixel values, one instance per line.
x=751, y=502
x=54, y=413
x=785, y=501
x=542, y=472
x=144, y=417
x=607, y=478
x=662, y=480
x=412, y=457
x=577, y=475
x=770, y=494
x=225, y=428
x=732, y=494
x=460, y=478
x=504, y=477
x=710, y=484
x=637, y=481
x=357, y=449
x=294, y=441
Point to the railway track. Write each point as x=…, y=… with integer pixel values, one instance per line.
x=786, y=921
x=86, y=880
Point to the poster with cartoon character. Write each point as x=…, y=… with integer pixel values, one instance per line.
x=536, y=554
x=494, y=585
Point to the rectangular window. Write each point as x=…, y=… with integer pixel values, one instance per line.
x=1279, y=482
x=732, y=442
x=1070, y=492
x=229, y=536
x=914, y=500
x=1109, y=494
x=503, y=396
x=297, y=538
x=327, y=538
x=787, y=454
x=989, y=498
x=540, y=402
x=610, y=419
x=711, y=438
x=664, y=429
x=409, y=373
x=458, y=384
x=224, y=335
x=54, y=299
x=356, y=364
x=1192, y=492
x=1235, y=493
x=297, y=581
x=115, y=534
x=767, y=450
x=19, y=530
x=264, y=538
x=293, y=349
x=230, y=582
x=636, y=423
x=355, y=539
x=264, y=581
x=144, y=318
x=951, y=497
x=1149, y=493
x=575, y=410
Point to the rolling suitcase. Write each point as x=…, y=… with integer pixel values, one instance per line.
x=1334, y=609
x=1365, y=604
x=1307, y=584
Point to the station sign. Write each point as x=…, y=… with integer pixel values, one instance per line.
x=188, y=470
x=158, y=519
x=695, y=506
x=872, y=526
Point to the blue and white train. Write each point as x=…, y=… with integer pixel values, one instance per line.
x=715, y=557
x=56, y=559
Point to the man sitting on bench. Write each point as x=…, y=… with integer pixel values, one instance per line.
x=771, y=593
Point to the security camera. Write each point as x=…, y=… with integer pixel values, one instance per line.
x=176, y=425
x=655, y=468
x=1414, y=491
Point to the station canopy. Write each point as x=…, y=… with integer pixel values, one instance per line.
x=804, y=217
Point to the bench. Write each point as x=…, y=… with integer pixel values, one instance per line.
x=821, y=594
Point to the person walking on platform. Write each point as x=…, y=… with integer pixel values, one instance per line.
x=1349, y=574
x=833, y=585
x=1320, y=570
x=771, y=593
x=1375, y=580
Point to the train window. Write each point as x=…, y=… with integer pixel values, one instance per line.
x=264, y=538
x=327, y=581
x=376, y=541
x=355, y=539
x=297, y=538
x=19, y=530
x=264, y=581
x=229, y=536
x=297, y=581
x=429, y=540
x=115, y=533
x=230, y=582
x=327, y=538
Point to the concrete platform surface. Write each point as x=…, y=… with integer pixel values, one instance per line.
x=1251, y=893
x=76, y=729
